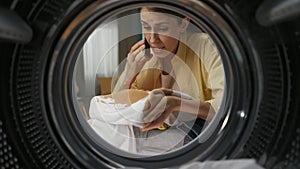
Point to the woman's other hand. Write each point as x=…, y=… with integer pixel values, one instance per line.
x=160, y=106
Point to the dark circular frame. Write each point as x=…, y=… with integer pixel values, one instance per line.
x=223, y=139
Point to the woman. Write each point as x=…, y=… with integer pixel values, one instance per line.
x=184, y=61
x=185, y=80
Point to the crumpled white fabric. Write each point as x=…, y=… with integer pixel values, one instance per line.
x=114, y=122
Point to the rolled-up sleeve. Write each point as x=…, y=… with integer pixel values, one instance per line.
x=215, y=73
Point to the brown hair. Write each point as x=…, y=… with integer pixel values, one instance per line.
x=178, y=15
x=166, y=11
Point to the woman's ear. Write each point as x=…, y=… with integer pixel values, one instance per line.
x=184, y=24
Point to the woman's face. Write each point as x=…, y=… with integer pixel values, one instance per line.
x=162, y=31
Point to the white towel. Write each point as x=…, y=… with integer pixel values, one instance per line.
x=114, y=122
x=118, y=125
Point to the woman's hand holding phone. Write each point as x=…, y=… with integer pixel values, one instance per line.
x=136, y=61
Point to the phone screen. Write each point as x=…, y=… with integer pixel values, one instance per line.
x=147, y=49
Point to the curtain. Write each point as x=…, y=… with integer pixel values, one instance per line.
x=100, y=55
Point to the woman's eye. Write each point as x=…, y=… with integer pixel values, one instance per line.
x=147, y=28
x=163, y=29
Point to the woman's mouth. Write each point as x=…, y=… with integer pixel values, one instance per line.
x=158, y=50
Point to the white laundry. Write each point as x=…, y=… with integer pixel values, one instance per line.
x=118, y=125
x=114, y=122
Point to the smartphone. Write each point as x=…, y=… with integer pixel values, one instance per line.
x=147, y=49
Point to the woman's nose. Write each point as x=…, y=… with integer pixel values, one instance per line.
x=153, y=37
